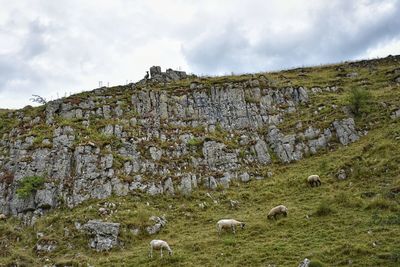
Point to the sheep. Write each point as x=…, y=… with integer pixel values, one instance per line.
x=314, y=180
x=159, y=245
x=2, y=217
x=276, y=211
x=229, y=223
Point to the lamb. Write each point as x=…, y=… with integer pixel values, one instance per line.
x=229, y=223
x=276, y=211
x=2, y=217
x=159, y=245
x=314, y=180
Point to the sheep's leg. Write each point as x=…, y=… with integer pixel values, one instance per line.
x=151, y=252
x=161, y=252
x=233, y=229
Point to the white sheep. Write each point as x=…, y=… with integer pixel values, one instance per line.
x=314, y=180
x=2, y=217
x=229, y=223
x=159, y=245
x=277, y=210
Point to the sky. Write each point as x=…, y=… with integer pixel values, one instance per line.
x=55, y=48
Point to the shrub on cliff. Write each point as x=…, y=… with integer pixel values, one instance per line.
x=28, y=185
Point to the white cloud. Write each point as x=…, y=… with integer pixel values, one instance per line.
x=55, y=47
x=391, y=47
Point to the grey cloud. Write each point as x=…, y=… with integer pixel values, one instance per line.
x=34, y=43
x=16, y=68
x=213, y=53
x=70, y=46
x=13, y=69
x=335, y=34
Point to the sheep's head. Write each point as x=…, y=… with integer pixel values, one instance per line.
x=242, y=225
x=170, y=252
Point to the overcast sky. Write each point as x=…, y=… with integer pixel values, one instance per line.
x=53, y=47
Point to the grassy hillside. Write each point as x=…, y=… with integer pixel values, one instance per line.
x=354, y=222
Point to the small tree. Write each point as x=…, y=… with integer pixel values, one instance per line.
x=358, y=99
x=38, y=99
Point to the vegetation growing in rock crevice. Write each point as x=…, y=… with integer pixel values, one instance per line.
x=29, y=185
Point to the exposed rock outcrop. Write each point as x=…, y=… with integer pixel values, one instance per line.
x=104, y=235
x=122, y=141
x=159, y=222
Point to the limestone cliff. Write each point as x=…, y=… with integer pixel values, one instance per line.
x=160, y=136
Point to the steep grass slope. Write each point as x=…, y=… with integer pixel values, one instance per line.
x=354, y=222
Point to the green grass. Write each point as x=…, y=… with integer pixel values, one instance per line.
x=335, y=224
x=333, y=238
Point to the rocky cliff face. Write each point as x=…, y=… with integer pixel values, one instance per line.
x=158, y=137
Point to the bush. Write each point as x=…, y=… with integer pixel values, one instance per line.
x=358, y=100
x=29, y=185
x=323, y=209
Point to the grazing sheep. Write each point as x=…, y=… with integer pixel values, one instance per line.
x=159, y=245
x=2, y=217
x=229, y=223
x=314, y=180
x=276, y=211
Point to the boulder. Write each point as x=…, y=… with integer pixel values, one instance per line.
x=104, y=235
x=395, y=114
x=186, y=185
x=169, y=186
x=159, y=222
x=155, y=70
x=304, y=263
x=244, y=177
x=345, y=131
x=262, y=152
x=341, y=174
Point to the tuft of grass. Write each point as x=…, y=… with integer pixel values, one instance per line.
x=324, y=209
x=380, y=203
x=345, y=200
x=195, y=142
